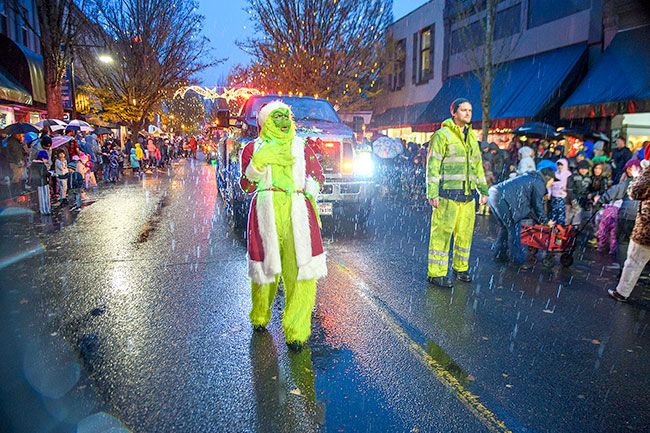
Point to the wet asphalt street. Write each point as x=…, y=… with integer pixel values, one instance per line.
x=131, y=315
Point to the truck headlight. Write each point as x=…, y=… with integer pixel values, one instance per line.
x=363, y=165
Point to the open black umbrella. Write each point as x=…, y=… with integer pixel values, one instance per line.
x=537, y=130
x=20, y=128
x=102, y=131
x=584, y=134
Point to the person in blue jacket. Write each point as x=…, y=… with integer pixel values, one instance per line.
x=514, y=200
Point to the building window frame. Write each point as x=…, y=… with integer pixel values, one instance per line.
x=424, y=54
x=397, y=79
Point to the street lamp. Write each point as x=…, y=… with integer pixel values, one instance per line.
x=105, y=58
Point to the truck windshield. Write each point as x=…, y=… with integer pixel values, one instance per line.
x=303, y=108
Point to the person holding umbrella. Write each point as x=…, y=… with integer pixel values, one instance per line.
x=454, y=174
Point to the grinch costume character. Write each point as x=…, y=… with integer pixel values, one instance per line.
x=454, y=173
x=284, y=237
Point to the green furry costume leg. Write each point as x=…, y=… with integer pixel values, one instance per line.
x=300, y=296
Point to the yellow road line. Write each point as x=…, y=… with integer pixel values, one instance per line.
x=466, y=397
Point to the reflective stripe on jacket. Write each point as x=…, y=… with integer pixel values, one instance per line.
x=454, y=163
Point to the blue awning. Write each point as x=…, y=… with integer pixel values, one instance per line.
x=524, y=88
x=621, y=75
x=11, y=90
x=25, y=66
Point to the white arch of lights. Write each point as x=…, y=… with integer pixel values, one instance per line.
x=212, y=94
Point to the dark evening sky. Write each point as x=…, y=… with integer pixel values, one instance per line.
x=226, y=21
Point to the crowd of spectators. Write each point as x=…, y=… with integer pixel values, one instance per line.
x=591, y=184
x=64, y=167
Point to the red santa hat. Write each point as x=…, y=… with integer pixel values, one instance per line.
x=267, y=109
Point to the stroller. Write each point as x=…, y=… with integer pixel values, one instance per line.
x=554, y=240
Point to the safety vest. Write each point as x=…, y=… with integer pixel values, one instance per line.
x=454, y=163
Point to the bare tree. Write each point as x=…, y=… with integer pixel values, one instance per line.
x=187, y=113
x=59, y=25
x=483, y=49
x=325, y=47
x=156, y=46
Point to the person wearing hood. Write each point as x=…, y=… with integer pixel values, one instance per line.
x=39, y=177
x=580, y=156
x=139, y=153
x=526, y=162
x=514, y=200
x=135, y=164
x=619, y=213
x=454, y=176
x=578, y=193
x=558, y=192
x=500, y=162
x=284, y=239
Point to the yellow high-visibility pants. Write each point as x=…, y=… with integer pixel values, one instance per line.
x=299, y=296
x=450, y=218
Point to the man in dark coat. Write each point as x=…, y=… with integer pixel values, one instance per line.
x=620, y=156
x=515, y=199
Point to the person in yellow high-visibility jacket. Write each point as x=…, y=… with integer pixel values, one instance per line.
x=454, y=174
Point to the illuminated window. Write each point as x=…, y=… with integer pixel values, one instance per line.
x=423, y=60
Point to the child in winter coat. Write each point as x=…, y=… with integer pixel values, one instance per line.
x=77, y=179
x=151, y=153
x=40, y=179
x=558, y=192
x=89, y=177
x=139, y=154
x=62, y=175
x=114, y=166
x=135, y=164
x=606, y=234
x=578, y=193
x=526, y=161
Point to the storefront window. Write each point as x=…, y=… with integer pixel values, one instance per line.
x=508, y=22
x=544, y=11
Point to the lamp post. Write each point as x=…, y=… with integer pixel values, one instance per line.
x=104, y=58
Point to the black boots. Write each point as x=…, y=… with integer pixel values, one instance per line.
x=441, y=282
x=463, y=276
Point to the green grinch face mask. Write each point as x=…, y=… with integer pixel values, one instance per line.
x=279, y=126
x=281, y=119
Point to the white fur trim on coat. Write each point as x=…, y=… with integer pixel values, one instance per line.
x=257, y=274
x=312, y=187
x=267, y=109
x=315, y=269
x=272, y=264
x=299, y=212
x=308, y=267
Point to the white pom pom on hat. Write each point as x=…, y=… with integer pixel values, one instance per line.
x=267, y=109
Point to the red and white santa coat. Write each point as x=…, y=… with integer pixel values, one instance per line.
x=263, y=245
